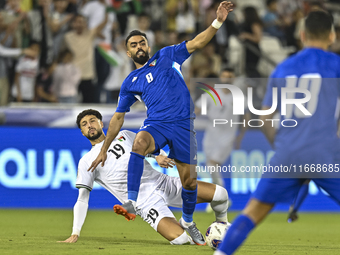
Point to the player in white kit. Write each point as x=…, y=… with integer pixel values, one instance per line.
x=157, y=190
x=218, y=141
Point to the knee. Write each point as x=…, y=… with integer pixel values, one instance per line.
x=140, y=146
x=220, y=195
x=189, y=183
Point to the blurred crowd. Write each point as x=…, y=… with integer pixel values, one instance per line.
x=77, y=48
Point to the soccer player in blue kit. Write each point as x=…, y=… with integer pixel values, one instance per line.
x=170, y=116
x=313, y=141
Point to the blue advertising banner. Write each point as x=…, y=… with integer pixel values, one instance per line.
x=38, y=169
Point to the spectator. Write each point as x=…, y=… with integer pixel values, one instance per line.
x=44, y=85
x=118, y=73
x=26, y=73
x=273, y=25
x=66, y=78
x=159, y=41
x=95, y=12
x=144, y=22
x=80, y=42
x=229, y=28
x=206, y=62
x=185, y=19
x=17, y=21
x=59, y=22
x=6, y=39
x=297, y=15
x=41, y=31
x=171, y=8
x=251, y=34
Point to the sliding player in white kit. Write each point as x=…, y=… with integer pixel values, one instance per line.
x=157, y=190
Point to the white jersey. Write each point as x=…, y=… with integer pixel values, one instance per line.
x=113, y=176
x=28, y=69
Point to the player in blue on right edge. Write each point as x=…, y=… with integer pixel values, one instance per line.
x=313, y=141
x=158, y=81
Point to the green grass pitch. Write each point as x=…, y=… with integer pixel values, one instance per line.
x=37, y=232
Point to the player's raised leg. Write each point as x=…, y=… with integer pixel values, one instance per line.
x=217, y=196
x=142, y=145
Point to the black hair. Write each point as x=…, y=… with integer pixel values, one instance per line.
x=32, y=42
x=78, y=15
x=228, y=69
x=88, y=112
x=133, y=33
x=251, y=16
x=144, y=14
x=62, y=54
x=318, y=25
x=269, y=2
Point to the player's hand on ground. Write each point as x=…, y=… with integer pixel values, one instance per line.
x=100, y=158
x=223, y=10
x=71, y=239
x=164, y=161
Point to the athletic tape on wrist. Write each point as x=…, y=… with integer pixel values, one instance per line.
x=216, y=24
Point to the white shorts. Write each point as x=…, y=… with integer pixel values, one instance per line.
x=156, y=207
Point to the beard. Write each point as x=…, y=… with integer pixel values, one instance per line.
x=94, y=136
x=142, y=59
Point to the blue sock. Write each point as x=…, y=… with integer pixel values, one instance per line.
x=189, y=198
x=236, y=234
x=135, y=171
x=303, y=192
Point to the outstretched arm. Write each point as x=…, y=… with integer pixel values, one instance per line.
x=115, y=125
x=79, y=215
x=203, y=38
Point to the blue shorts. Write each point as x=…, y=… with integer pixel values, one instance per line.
x=282, y=190
x=179, y=135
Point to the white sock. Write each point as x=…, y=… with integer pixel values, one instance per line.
x=182, y=239
x=220, y=204
x=185, y=224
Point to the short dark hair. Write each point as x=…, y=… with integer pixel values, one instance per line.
x=228, y=69
x=269, y=2
x=318, y=25
x=78, y=15
x=88, y=112
x=133, y=33
x=62, y=54
x=144, y=14
x=33, y=42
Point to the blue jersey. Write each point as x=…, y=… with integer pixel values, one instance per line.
x=313, y=140
x=160, y=84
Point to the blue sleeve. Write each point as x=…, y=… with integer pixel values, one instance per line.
x=125, y=100
x=178, y=53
